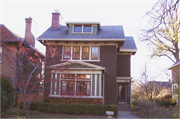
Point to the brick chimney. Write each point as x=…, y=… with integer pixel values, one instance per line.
x=56, y=20
x=29, y=37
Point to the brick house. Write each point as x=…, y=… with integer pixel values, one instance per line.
x=90, y=63
x=175, y=68
x=9, y=50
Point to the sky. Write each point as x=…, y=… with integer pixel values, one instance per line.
x=128, y=13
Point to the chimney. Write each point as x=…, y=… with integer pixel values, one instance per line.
x=29, y=37
x=56, y=20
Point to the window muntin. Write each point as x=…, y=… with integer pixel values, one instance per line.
x=85, y=52
x=76, y=52
x=87, y=28
x=78, y=28
x=67, y=52
x=94, y=52
x=83, y=76
x=83, y=88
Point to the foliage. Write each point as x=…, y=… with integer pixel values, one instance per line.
x=166, y=103
x=77, y=109
x=17, y=113
x=7, y=94
x=152, y=110
x=163, y=29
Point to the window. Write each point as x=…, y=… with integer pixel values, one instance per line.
x=82, y=28
x=94, y=53
x=85, y=52
x=83, y=76
x=83, y=88
x=80, y=53
x=76, y=52
x=87, y=29
x=67, y=52
x=76, y=84
x=78, y=28
x=0, y=54
x=67, y=87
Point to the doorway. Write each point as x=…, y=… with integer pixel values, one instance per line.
x=122, y=89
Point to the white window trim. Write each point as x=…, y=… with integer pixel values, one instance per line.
x=90, y=48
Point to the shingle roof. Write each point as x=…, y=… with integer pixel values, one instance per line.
x=129, y=45
x=8, y=36
x=175, y=64
x=106, y=32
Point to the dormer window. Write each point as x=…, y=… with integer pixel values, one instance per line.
x=82, y=28
x=78, y=28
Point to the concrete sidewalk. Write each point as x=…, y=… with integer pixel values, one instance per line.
x=126, y=115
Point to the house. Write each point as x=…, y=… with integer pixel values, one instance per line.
x=175, y=68
x=11, y=60
x=87, y=63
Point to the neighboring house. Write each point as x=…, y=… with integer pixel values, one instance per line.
x=175, y=68
x=9, y=48
x=89, y=63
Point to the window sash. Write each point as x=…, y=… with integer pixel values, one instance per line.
x=67, y=76
x=67, y=87
x=83, y=76
x=87, y=28
x=83, y=88
x=76, y=52
x=94, y=53
x=67, y=52
x=85, y=52
x=78, y=28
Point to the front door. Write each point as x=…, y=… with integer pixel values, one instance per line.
x=121, y=92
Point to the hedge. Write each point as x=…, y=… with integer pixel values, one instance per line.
x=7, y=94
x=76, y=109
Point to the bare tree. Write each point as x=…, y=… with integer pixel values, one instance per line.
x=163, y=32
x=148, y=89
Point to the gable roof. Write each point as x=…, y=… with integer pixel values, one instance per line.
x=8, y=36
x=129, y=45
x=77, y=65
x=106, y=32
x=175, y=64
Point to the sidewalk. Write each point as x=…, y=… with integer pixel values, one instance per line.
x=124, y=112
x=126, y=115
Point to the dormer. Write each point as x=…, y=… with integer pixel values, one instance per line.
x=83, y=28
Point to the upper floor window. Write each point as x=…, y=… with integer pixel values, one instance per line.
x=87, y=28
x=82, y=28
x=78, y=28
x=94, y=53
x=81, y=53
x=67, y=52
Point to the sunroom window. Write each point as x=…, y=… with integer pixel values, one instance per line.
x=76, y=84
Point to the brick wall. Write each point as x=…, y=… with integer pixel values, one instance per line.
x=123, y=65
x=8, y=64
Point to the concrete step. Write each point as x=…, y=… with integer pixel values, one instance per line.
x=123, y=107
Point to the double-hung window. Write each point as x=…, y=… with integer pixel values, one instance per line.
x=94, y=53
x=85, y=52
x=67, y=52
x=76, y=52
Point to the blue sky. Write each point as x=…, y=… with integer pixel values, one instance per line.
x=128, y=13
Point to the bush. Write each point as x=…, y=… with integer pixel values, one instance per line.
x=166, y=103
x=7, y=94
x=77, y=109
